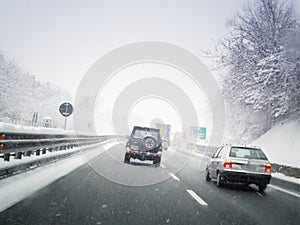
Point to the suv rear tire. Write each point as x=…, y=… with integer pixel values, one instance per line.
x=156, y=161
x=127, y=158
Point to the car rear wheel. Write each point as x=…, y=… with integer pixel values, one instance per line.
x=127, y=158
x=219, y=180
x=262, y=188
x=207, y=177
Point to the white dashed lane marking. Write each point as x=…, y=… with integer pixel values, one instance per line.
x=174, y=177
x=196, y=197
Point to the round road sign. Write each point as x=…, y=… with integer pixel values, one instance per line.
x=66, y=109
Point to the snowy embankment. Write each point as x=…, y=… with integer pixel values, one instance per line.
x=7, y=127
x=15, y=128
x=282, y=143
x=33, y=180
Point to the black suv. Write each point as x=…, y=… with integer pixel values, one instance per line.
x=144, y=144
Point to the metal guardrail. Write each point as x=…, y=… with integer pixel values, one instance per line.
x=25, y=144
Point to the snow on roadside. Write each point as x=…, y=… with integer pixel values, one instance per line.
x=8, y=127
x=282, y=143
x=286, y=178
x=16, y=188
x=15, y=128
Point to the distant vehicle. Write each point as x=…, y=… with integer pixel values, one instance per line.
x=47, y=121
x=144, y=143
x=239, y=164
x=164, y=144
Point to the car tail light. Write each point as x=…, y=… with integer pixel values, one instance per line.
x=131, y=152
x=154, y=154
x=268, y=168
x=228, y=164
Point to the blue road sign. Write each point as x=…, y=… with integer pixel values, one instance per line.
x=66, y=109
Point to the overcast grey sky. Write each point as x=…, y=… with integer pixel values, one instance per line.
x=58, y=40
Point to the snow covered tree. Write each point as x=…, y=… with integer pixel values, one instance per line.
x=262, y=60
x=21, y=95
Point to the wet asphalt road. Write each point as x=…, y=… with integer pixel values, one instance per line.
x=141, y=194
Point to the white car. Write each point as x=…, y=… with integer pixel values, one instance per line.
x=239, y=164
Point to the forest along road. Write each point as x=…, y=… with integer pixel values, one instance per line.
x=85, y=197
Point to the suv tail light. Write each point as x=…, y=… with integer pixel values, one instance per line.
x=159, y=148
x=228, y=164
x=268, y=168
x=131, y=152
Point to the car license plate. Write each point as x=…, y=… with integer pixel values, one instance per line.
x=249, y=167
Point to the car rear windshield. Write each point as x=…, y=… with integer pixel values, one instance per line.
x=249, y=153
x=142, y=133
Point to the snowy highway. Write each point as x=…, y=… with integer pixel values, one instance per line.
x=116, y=113
x=184, y=197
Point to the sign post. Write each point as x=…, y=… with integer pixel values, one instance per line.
x=66, y=109
x=34, y=118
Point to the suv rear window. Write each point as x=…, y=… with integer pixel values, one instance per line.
x=248, y=153
x=142, y=133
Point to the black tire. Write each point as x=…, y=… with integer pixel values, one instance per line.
x=262, y=188
x=156, y=161
x=127, y=158
x=219, y=180
x=207, y=177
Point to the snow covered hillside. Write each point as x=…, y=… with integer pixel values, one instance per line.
x=281, y=143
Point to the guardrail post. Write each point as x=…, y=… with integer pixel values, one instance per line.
x=18, y=155
x=6, y=156
x=37, y=152
x=28, y=153
x=44, y=151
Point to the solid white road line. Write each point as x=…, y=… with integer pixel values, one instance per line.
x=196, y=197
x=163, y=166
x=174, y=177
x=284, y=190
